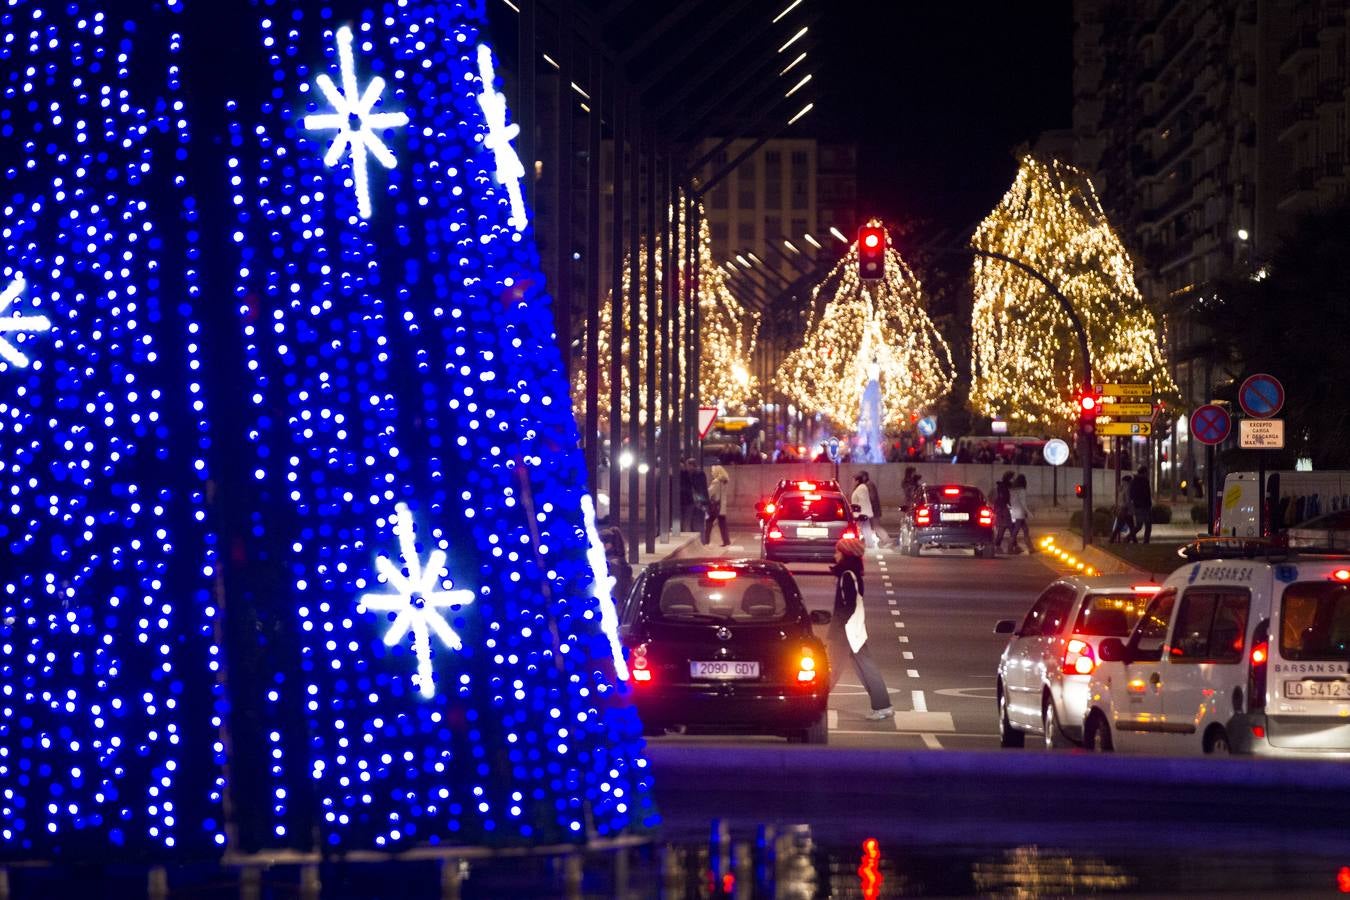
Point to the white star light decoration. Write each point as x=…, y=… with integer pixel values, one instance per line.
x=604, y=583
x=417, y=599
x=12, y=324
x=353, y=119
x=499, y=137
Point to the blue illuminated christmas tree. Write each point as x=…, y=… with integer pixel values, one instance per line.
x=296, y=525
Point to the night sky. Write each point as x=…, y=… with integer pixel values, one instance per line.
x=938, y=94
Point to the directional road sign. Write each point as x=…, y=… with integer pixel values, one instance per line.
x=706, y=416
x=927, y=426
x=1127, y=409
x=1125, y=429
x=1261, y=434
x=832, y=448
x=1211, y=424
x=1124, y=390
x=1261, y=395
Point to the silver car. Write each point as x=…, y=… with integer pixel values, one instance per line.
x=1044, y=671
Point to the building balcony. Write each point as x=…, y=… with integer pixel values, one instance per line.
x=1302, y=190
x=1301, y=115
x=1332, y=170
x=1331, y=90
x=1303, y=40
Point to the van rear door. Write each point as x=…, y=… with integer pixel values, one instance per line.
x=1308, y=689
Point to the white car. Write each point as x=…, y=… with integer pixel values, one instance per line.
x=1232, y=655
x=1043, y=673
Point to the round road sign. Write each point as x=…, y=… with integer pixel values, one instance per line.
x=1261, y=395
x=1211, y=424
x=1056, y=452
x=927, y=426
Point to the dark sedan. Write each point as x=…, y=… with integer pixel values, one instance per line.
x=805, y=525
x=949, y=515
x=726, y=646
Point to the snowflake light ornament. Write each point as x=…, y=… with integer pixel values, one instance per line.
x=353, y=119
x=12, y=324
x=603, y=586
x=417, y=599
x=499, y=137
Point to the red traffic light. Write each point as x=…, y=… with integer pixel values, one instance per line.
x=871, y=251
x=1087, y=404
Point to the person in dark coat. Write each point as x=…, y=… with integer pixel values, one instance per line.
x=1003, y=510
x=847, y=637
x=1141, y=498
x=693, y=495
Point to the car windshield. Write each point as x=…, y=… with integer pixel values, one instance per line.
x=1315, y=621
x=1110, y=615
x=745, y=597
x=812, y=508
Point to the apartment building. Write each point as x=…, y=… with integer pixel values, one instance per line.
x=1207, y=126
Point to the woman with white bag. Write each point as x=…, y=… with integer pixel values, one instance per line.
x=848, y=629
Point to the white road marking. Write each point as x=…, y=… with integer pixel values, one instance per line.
x=912, y=673
x=832, y=718
x=907, y=654
x=930, y=741
x=899, y=624
x=895, y=612
x=920, y=704
x=903, y=638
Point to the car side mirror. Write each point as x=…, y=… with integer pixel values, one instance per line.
x=1113, y=650
x=821, y=617
x=1005, y=626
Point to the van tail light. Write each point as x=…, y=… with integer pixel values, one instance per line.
x=806, y=667
x=986, y=516
x=1078, y=658
x=641, y=667
x=1257, y=665
x=775, y=534
x=923, y=515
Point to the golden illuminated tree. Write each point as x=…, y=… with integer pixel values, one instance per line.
x=878, y=323
x=726, y=338
x=1025, y=360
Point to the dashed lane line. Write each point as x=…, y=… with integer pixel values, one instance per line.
x=912, y=673
x=907, y=654
x=920, y=704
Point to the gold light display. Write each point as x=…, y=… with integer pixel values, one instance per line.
x=878, y=323
x=1025, y=360
x=726, y=338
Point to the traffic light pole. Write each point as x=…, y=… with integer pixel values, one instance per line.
x=1085, y=440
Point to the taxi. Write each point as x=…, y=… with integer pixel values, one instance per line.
x=1233, y=655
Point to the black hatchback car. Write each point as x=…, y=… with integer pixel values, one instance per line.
x=726, y=646
x=949, y=515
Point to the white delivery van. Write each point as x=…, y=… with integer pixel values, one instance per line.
x=1232, y=655
x=1293, y=498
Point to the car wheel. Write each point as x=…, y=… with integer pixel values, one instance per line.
x=1008, y=736
x=818, y=733
x=914, y=547
x=1217, y=743
x=1097, y=733
x=987, y=551
x=1054, y=735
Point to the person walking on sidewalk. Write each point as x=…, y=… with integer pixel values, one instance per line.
x=1122, y=529
x=847, y=637
x=1141, y=498
x=693, y=495
x=717, y=495
x=1003, y=511
x=1020, y=512
x=861, y=498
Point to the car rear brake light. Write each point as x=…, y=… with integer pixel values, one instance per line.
x=1078, y=658
x=811, y=496
x=806, y=666
x=774, y=534
x=721, y=574
x=640, y=669
x=1257, y=662
x=986, y=516
x=806, y=485
x=1341, y=574
x=922, y=515
x=1146, y=588
x=770, y=508
x=951, y=492
x=849, y=532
